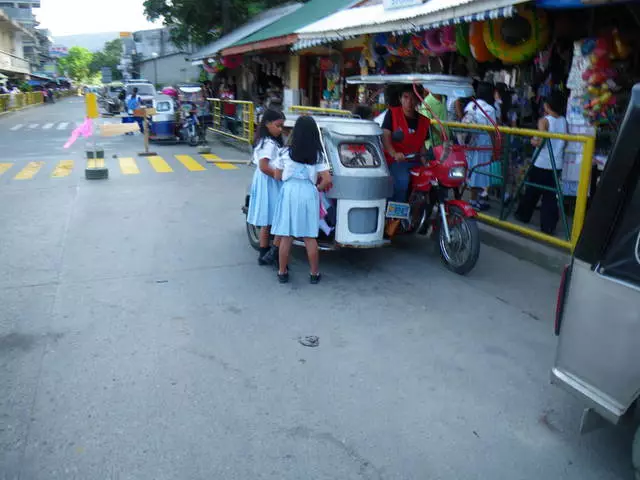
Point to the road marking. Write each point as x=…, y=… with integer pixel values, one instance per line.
x=63, y=169
x=29, y=171
x=47, y=126
x=4, y=167
x=190, y=163
x=95, y=163
x=128, y=166
x=160, y=165
x=210, y=157
x=16, y=127
x=33, y=126
x=63, y=125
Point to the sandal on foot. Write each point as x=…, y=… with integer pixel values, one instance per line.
x=314, y=279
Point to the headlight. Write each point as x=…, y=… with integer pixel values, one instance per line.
x=457, y=172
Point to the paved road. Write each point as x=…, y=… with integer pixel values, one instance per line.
x=140, y=340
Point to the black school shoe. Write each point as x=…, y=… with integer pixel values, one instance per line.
x=283, y=277
x=271, y=257
x=314, y=279
x=264, y=251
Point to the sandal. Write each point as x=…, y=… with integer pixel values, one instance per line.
x=314, y=279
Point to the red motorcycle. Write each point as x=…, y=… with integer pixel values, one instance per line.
x=432, y=210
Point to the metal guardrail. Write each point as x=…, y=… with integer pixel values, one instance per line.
x=17, y=101
x=583, y=185
x=240, y=125
x=301, y=110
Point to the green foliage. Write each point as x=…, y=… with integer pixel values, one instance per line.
x=199, y=22
x=77, y=64
x=109, y=57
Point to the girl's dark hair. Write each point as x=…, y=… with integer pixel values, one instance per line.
x=263, y=132
x=305, y=143
x=556, y=102
x=505, y=96
x=484, y=91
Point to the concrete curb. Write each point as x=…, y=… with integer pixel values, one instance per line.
x=547, y=257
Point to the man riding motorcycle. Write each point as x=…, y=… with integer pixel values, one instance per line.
x=416, y=130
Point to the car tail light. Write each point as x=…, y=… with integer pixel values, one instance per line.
x=562, y=290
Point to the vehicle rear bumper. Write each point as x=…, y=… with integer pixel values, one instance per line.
x=595, y=399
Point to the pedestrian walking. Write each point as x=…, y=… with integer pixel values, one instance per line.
x=541, y=172
x=297, y=212
x=479, y=180
x=265, y=189
x=133, y=103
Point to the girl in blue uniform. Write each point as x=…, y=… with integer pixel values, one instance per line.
x=264, y=187
x=298, y=210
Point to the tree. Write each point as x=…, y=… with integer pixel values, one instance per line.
x=199, y=22
x=77, y=64
x=108, y=57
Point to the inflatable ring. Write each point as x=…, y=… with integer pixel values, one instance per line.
x=462, y=40
x=519, y=53
x=441, y=40
x=476, y=43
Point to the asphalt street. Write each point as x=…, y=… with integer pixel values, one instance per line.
x=139, y=339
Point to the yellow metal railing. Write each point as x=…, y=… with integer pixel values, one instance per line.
x=226, y=124
x=18, y=101
x=301, y=110
x=583, y=184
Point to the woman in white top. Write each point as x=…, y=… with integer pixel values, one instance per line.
x=298, y=210
x=542, y=171
x=265, y=188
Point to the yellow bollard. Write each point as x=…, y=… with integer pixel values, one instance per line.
x=91, y=101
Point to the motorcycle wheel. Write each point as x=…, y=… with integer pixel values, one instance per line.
x=461, y=254
x=253, y=233
x=194, y=140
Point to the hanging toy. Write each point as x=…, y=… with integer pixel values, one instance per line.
x=620, y=49
x=476, y=43
x=587, y=46
x=462, y=40
x=419, y=44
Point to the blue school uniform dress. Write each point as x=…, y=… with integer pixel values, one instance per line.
x=264, y=189
x=298, y=209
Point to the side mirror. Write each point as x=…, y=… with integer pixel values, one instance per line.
x=397, y=136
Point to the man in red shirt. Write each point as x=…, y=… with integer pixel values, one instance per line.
x=416, y=130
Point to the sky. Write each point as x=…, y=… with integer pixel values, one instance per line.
x=97, y=16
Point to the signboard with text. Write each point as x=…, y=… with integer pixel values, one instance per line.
x=58, y=51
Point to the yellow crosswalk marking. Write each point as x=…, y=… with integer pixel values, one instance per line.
x=4, y=167
x=63, y=169
x=210, y=157
x=160, y=165
x=29, y=171
x=95, y=163
x=128, y=166
x=190, y=163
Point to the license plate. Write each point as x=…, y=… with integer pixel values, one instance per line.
x=398, y=210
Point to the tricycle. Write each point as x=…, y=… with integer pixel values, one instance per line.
x=359, y=212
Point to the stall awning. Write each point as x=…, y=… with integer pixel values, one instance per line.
x=352, y=23
x=282, y=32
x=259, y=22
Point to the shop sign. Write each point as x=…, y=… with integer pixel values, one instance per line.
x=57, y=51
x=393, y=4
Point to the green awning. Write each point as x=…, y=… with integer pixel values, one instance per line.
x=310, y=12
